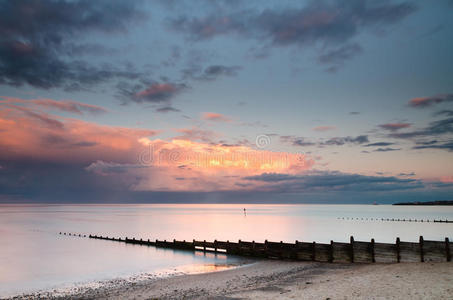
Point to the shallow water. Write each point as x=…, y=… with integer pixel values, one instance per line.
x=33, y=256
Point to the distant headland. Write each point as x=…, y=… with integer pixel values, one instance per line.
x=450, y=202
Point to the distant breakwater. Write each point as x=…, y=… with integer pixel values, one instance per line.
x=354, y=251
x=394, y=219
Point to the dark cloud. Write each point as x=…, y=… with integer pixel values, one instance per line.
x=210, y=73
x=379, y=144
x=35, y=181
x=329, y=23
x=445, y=112
x=296, y=141
x=442, y=146
x=407, y=174
x=339, y=141
x=157, y=93
x=38, y=39
x=424, y=102
x=324, y=181
x=174, y=57
x=386, y=149
x=336, y=57
x=394, y=126
x=335, y=141
x=437, y=132
x=434, y=128
x=167, y=109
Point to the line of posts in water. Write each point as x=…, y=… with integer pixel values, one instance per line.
x=394, y=220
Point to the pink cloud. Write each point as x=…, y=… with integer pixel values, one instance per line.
x=446, y=179
x=69, y=106
x=159, y=92
x=26, y=133
x=423, y=102
x=131, y=157
x=61, y=105
x=197, y=134
x=395, y=126
x=211, y=116
x=324, y=128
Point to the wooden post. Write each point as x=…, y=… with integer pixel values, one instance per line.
x=351, y=240
x=331, y=251
x=204, y=245
x=280, y=254
x=398, y=256
x=373, y=259
x=447, y=249
x=422, y=256
x=313, y=251
x=215, y=246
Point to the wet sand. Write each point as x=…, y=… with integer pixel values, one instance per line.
x=292, y=280
x=299, y=280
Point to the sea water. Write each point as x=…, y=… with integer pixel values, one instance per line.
x=34, y=256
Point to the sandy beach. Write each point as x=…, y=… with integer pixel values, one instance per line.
x=269, y=279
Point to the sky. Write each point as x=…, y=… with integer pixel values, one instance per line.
x=226, y=101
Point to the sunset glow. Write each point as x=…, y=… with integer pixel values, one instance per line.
x=275, y=101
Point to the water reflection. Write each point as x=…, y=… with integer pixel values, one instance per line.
x=33, y=255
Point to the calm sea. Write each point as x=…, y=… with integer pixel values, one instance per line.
x=33, y=256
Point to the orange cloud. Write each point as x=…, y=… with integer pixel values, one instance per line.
x=211, y=116
x=183, y=165
x=131, y=157
x=26, y=133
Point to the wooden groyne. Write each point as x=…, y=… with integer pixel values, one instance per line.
x=354, y=251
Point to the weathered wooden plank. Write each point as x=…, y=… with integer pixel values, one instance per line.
x=363, y=252
x=341, y=252
x=434, y=251
x=304, y=251
x=322, y=252
x=385, y=253
x=409, y=252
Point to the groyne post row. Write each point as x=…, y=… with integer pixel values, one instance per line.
x=354, y=251
x=393, y=220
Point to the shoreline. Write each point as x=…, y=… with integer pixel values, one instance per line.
x=76, y=289
x=271, y=279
